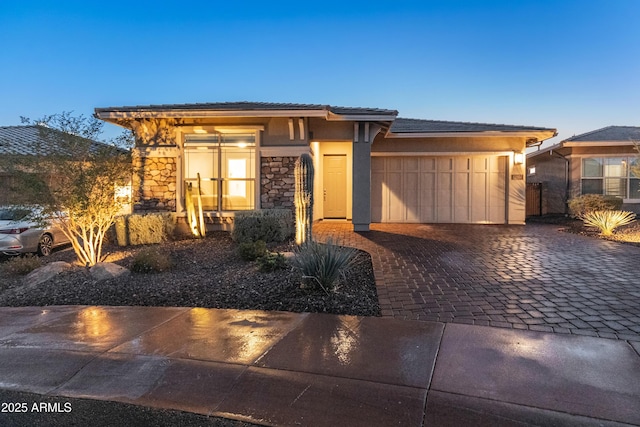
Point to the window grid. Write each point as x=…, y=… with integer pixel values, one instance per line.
x=227, y=163
x=611, y=176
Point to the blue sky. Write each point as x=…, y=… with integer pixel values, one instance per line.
x=570, y=65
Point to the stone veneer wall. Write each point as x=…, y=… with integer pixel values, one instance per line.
x=277, y=182
x=154, y=184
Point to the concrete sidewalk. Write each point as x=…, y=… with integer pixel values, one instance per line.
x=277, y=368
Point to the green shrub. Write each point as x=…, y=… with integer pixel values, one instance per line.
x=119, y=232
x=269, y=225
x=321, y=263
x=272, y=261
x=145, y=229
x=21, y=265
x=151, y=260
x=250, y=251
x=580, y=205
x=607, y=221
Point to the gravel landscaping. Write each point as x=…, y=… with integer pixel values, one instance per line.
x=628, y=234
x=206, y=273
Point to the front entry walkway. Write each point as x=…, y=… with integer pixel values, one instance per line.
x=532, y=277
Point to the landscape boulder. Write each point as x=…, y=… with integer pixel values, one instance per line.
x=46, y=272
x=108, y=270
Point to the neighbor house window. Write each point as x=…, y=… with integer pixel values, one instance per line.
x=226, y=164
x=611, y=176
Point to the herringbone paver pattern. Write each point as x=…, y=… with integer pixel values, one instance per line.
x=523, y=277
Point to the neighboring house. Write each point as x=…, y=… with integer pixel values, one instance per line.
x=370, y=165
x=20, y=141
x=597, y=162
x=31, y=140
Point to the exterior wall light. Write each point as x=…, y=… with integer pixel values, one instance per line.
x=518, y=158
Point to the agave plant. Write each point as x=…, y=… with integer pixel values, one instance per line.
x=323, y=263
x=607, y=221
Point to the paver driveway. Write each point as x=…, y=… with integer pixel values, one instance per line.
x=533, y=277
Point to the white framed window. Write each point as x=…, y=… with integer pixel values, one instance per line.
x=611, y=176
x=226, y=163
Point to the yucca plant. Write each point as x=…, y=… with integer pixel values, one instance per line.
x=607, y=221
x=322, y=263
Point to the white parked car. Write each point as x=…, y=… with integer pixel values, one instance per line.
x=21, y=232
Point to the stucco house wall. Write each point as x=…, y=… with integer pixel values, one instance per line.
x=552, y=164
x=551, y=172
x=284, y=131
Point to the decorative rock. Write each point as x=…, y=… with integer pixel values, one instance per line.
x=108, y=270
x=46, y=272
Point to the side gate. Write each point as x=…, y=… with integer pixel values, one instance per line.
x=534, y=199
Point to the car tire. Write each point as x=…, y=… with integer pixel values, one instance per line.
x=45, y=245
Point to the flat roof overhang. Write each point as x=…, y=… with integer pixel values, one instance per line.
x=534, y=136
x=113, y=115
x=564, y=147
x=598, y=143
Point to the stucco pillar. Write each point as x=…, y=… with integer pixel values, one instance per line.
x=361, y=183
x=517, y=193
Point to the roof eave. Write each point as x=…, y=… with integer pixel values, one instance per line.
x=361, y=117
x=539, y=135
x=597, y=143
x=112, y=115
x=546, y=150
x=149, y=114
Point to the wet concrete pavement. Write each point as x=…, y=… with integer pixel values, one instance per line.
x=276, y=368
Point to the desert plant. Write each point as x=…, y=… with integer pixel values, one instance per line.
x=270, y=225
x=192, y=216
x=272, y=261
x=145, y=229
x=607, y=221
x=322, y=263
x=120, y=232
x=578, y=206
x=74, y=178
x=151, y=260
x=202, y=228
x=250, y=251
x=21, y=265
x=303, y=198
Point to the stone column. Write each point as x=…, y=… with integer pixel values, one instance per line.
x=277, y=183
x=154, y=180
x=155, y=164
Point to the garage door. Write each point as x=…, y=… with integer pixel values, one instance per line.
x=462, y=189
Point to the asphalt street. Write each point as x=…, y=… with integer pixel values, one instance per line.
x=18, y=409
